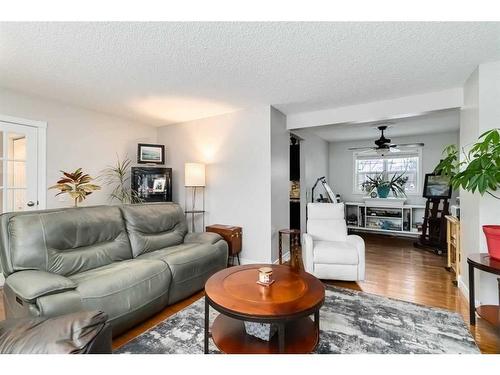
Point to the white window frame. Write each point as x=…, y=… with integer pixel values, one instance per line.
x=403, y=151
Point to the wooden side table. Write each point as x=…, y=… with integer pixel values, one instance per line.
x=288, y=303
x=233, y=237
x=294, y=238
x=490, y=313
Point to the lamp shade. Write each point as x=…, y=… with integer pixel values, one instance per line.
x=194, y=174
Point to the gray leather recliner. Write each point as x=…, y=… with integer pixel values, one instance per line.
x=129, y=261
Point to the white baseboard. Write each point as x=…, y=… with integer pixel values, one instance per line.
x=464, y=289
x=248, y=261
x=286, y=258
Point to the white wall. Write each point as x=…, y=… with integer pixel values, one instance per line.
x=342, y=165
x=280, y=178
x=469, y=203
x=78, y=137
x=481, y=112
x=314, y=154
x=236, y=149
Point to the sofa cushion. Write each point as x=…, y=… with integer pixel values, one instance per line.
x=335, y=252
x=122, y=287
x=154, y=226
x=65, y=241
x=191, y=265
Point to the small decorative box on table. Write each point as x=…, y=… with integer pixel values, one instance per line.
x=233, y=237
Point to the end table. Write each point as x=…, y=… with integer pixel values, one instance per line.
x=490, y=313
x=233, y=237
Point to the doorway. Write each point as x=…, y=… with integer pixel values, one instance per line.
x=294, y=182
x=22, y=165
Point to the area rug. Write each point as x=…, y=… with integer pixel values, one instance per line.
x=350, y=322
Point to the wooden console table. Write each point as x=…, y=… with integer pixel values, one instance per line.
x=490, y=313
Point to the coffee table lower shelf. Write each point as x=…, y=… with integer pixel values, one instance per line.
x=228, y=334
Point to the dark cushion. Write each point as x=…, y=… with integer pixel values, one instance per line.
x=66, y=334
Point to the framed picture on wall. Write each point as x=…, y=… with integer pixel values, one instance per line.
x=150, y=154
x=437, y=186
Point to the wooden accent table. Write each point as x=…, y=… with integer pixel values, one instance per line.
x=490, y=313
x=232, y=235
x=288, y=303
x=294, y=238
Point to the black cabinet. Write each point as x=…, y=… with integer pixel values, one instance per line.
x=152, y=184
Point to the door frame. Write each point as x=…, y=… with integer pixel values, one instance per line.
x=41, y=145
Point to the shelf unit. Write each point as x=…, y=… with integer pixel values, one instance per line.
x=454, y=249
x=402, y=220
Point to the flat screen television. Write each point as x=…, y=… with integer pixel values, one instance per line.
x=437, y=186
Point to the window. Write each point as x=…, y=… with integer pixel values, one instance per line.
x=370, y=165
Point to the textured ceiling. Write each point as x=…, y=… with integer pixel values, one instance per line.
x=161, y=73
x=431, y=123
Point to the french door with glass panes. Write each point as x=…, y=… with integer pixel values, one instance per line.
x=18, y=167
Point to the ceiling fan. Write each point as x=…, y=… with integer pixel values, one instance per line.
x=384, y=145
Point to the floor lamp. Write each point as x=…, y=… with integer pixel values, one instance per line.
x=194, y=178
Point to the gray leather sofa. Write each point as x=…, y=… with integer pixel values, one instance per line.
x=129, y=261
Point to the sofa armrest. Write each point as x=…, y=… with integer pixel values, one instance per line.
x=31, y=284
x=307, y=252
x=205, y=237
x=359, y=243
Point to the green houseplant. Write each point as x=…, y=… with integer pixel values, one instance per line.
x=118, y=177
x=384, y=185
x=479, y=171
x=77, y=185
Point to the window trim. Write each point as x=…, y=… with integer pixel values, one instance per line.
x=409, y=151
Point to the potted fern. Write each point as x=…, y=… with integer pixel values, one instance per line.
x=118, y=178
x=479, y=171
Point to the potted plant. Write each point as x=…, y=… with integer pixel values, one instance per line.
x=118, y=177
x=384, y=185
x=479, y=171
x=77, y=185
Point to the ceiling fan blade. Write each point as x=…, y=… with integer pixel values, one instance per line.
x=409, y=145
x=361, y=148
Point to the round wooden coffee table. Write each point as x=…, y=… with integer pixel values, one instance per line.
x=288, y=302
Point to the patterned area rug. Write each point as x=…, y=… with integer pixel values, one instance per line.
x=350, y=322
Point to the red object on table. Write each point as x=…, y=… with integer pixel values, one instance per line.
x=492, y=233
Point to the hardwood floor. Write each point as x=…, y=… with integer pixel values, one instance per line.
x=395, y=269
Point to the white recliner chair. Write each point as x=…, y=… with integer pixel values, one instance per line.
x=327, y=251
